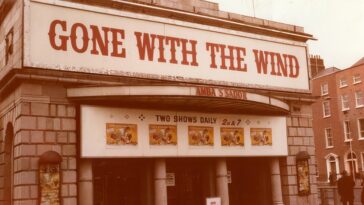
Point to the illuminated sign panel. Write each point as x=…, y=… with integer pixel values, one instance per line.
x=121, y=132
x=128, y=44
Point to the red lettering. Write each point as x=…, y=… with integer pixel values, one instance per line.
x=116, y=42
x=261, y=60
x=173, y=42
x=97, y=40
x=145, y=45
x=84, y=37
x=212, y=47
x=296, y=66
x=282, y=67
x=192, y=52
x=52, y=35
x=240, y=52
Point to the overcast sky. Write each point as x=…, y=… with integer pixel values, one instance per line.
x=337, y=24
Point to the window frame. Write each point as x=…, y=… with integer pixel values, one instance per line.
x=342, y=84
x=347, y=128
x=327, y=138
x=343, y=103
x=324, y=114
x=356, y=99
x=324, y=89
x=360, y=136
x=356, y=79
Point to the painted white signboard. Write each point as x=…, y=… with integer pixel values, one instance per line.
x=119, y=132
x=66, y=36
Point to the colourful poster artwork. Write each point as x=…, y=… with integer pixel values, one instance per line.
x=121, y=134
x=198, y=135
x=232, y=136
x=162, y=134
x=49, y=177
x=261, y=136
x=303, y=177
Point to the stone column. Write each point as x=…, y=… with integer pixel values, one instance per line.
x=160, y=188
x=276, y=182
x=222, y=188
x=85, y=184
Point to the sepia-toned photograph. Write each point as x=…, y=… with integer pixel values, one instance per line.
x=162, y=134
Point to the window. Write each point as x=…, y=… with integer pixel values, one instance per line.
x=328, y=135
x=361, y=128
x=359, y=99
x=356, y=79
x=343, y=82
x=332, y=165
x=345, y=102
x=351, y=163
x=347, y=132
x=324, y=89
x=326, y=107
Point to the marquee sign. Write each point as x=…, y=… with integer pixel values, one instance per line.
x=70, y=37
x=121, y=132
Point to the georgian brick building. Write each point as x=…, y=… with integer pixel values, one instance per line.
x=152, y=102
x=339, y=123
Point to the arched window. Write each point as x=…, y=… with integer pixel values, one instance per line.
x=9, y=151
x=351, y=163
x=332, y=164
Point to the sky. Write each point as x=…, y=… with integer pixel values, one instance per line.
x=338, y=25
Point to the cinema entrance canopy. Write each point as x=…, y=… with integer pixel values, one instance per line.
x=192, y=98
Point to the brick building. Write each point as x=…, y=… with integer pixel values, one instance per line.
x=152, y=102
x=338, y=123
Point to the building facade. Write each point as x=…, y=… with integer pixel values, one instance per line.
x=152, y=102
x=338, y=123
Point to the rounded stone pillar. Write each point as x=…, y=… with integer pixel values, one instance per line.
x=160, y=188
x=85, y=184
x=222, y=188
x=276, y=182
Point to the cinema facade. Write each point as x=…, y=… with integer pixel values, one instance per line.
x=152, y=102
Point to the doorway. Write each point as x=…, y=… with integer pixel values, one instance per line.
x=194, y=181
x=250, y=181
x=121, y=182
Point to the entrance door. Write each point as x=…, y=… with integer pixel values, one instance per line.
x=250, y=181
x=192, y=181
x=118, y=181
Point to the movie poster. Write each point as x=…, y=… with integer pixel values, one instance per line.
x=303, y=177
x=121, y=134
x=49, y=176
x=261, y=136
x=162, y=134
x=198, y=135
x=232, y=136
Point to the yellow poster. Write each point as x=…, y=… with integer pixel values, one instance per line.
x=198, y=135
x=232, y=136
x=49, y=177
x=162, y=134
x=121, y=134
x=261, y=136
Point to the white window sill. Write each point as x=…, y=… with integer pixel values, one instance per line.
x=324, y=94
x=361, y=138
x=349, y=140
x=346, y=109
x=343, y=86
x=326, y=116
x=354, y=83
x=359, y=106
x=329, y=147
